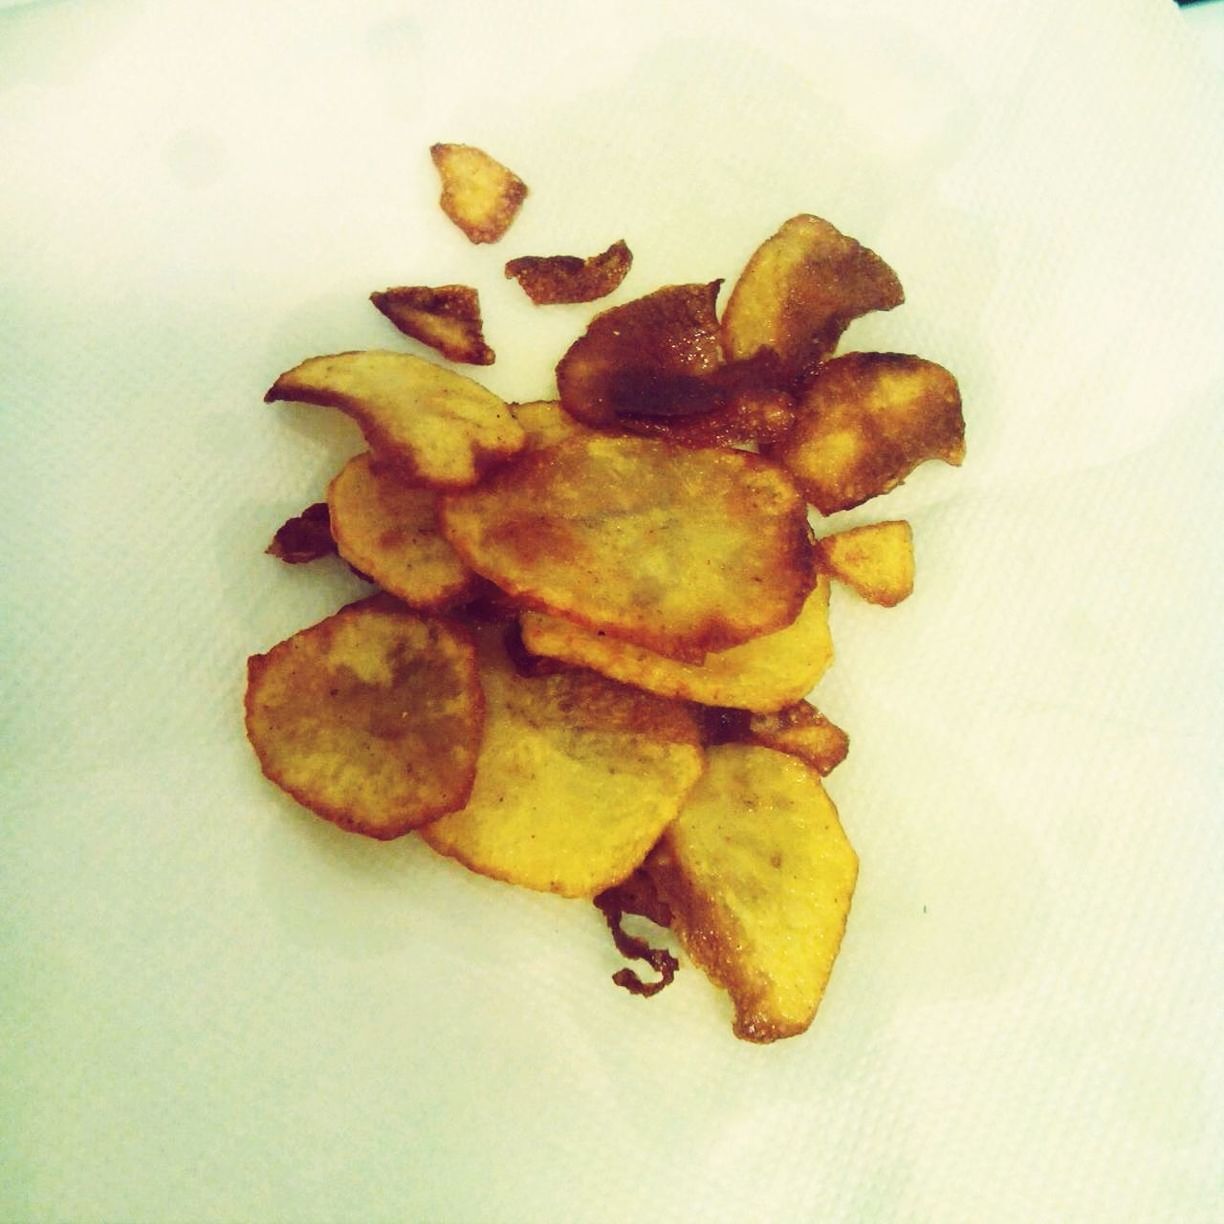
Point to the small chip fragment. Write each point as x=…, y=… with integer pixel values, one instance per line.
x=802, y=731
x=877, y=560
x=759, y=876
x=389, y=531
x=577, y=777
x=550, y=280
x=764, y=674
x=480, y=195
x=435, y=426
x=680, y=550
x=865, y=421
x=371, y=718
x=305, y=537
x=545, y=423
x=800, y=290
x=446, y=318
x=637, y=895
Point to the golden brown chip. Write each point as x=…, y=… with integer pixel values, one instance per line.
x=650, y=357
x=877, y=561
x=802, y=289
x=759, y=876
x=801, y=731
x=765, y=674
x=552, y=279
x=305, y=537
x=545, y=423
x=680, y=550
x=446, y=318
x=371, y=718
x=480, y=195
x=577, y=778
x=435, y=426
x=389, y=531
x=865, y=421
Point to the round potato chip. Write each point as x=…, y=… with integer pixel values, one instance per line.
x=372, y=718
x=389, y=531
x=577, y=778
x=680, y=550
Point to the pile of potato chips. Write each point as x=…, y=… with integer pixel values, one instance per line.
x=598, y=617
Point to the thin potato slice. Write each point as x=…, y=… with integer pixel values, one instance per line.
x=371, y=718
x=435, y=426
x=765, y=674
x=802, y=731
x=446, y=318
x=759, y=876
x=865, y=421
x=545, y=423
x=802, y=289
x=389, y=531
x=877, y=561
x=577, y=778
x=305, y=537
x=480, y=195
x=550, y=280
x=680, y=550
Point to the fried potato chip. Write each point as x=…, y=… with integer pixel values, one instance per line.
x=800, y=290
x=877, y=561
x=545, y=423
x=865, y=421
x=435, y=426
x=389, y=531
x=650, y=357
x=446, y=318
x=371, y=718
x=549, y=280
x=759, y=876
x=766, y=673
x=480, y=195
x=680, y=550
x=305, y=537
x=577, y=778
x=802, y=731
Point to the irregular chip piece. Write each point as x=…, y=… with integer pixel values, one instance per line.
x=549, y=280
x=545, y=423
x=480, y=195
x=435, y=426
x=305, y=537
x=877, y=561
x=759, y=876
x=649, y=357
x=446, y=318
x=577, y=778
x=389, y=531
x=801, y=731
x=371, y=718
x=865, y=421
x=680, y=550
x=802, y=289
x=765, y=674
x=637, y=895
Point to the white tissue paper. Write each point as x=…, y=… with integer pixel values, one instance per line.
x=215, y=1006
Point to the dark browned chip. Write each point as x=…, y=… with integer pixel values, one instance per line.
x=446, y=318
x=550, y=280
x=638, y=895
x=305, y=537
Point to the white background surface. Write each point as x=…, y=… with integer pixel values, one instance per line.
x=214, y=1006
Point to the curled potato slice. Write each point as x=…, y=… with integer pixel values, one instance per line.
x=877, y=560
x=680, y=550
x=389, y=531
x=437, y=427
x=577, y=778
x=800, y=290
x=759, y=876
x=371, y=718
x=865, y=421
x=446, y=318
x=480, y=195
x=802, y=731
x=554, y=279
x=765, y=674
